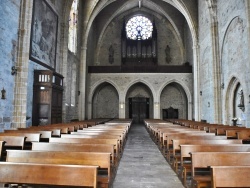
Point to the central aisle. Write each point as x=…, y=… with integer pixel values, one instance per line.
x=142, y=164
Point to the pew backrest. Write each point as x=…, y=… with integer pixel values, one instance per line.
x=60, y=157
x=114, y=142
x=1, y=147
x=187, y=149
x=105, y=148
x=13, y=141
x=230, y=176
x=206, y=159
x=48, y=174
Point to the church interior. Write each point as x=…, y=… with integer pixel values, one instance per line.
x=162, y=65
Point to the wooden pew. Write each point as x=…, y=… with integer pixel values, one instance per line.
x=56, y=132
x=203, y=160
x=44, y=137
x=185, y=160
x=199, y=141
x=244, y=135
x=102, y=136
x=11, y=142
x=232, y=133
x=105, y=148
x=168, y=149
x=222, y=130
x=230, y=176
x=1, y=147
x=114, y=142
x=30, y=137
x=173, y=131
x=48, y=174
x=68, y=158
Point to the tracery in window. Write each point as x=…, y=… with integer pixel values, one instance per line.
x=72, y=39
x=139, y=28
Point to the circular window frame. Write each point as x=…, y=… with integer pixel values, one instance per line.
x=139, y=27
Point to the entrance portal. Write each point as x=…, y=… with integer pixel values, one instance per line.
x=138, y=109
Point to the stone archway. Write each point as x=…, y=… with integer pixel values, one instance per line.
x=139, y=102
x=174, y=96
x=105, y=102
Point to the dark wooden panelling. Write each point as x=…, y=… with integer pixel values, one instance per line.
x=140, y=69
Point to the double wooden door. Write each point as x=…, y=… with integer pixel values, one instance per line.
x=138, y=109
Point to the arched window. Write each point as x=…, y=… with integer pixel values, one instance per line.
x=72, y=39
x=139, y=28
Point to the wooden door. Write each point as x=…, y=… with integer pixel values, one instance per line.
x=138, y=109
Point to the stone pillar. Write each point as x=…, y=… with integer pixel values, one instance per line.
x=157, y=108
x=23, y=47
x=82, y=84
x=122, y=109
x=216, y=73
x=197, y=99
x=247, y=106
x=64, y=66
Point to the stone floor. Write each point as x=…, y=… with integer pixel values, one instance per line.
x=142, y=164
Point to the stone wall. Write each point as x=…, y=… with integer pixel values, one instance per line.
x=174, y=96
x=155, y=84
x=234, y=43
x=166, y=36
x=106, y=102
x=9, y=24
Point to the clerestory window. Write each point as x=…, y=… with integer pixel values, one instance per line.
x=139, y=28
x=72, y=39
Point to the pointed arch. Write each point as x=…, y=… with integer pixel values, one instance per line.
x=94, y=89
x=104, y=101
x=229, y=105
x=140, y=81
x=186, y=91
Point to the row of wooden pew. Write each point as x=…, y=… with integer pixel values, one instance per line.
x=84, y=154
x=202, y=157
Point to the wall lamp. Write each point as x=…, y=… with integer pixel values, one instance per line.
x=13, y=70
x=200, y=93
x=3, y=94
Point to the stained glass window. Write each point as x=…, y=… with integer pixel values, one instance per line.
x=139, y=28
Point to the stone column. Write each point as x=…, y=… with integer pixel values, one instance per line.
x=64, y=66
x=216, y=73
x=197, y=100
x=82, y=84
x=23, y=47
x=247, y=106
x=122, y=109
x=157, y=108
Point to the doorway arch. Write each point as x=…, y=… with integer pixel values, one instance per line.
x=139, y=102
